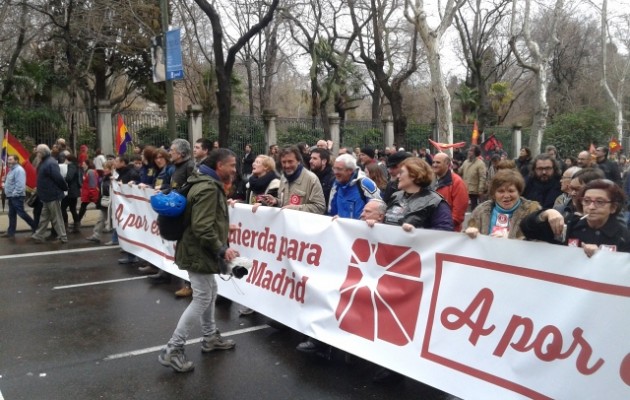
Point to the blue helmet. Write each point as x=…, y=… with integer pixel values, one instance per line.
x=168, y=205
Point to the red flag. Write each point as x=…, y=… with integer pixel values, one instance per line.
x=12, y=147
x=614, y=145
x=475, y=133
x=122, y=136
x=441, y=146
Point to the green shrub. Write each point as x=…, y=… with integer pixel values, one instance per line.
x=574, y=132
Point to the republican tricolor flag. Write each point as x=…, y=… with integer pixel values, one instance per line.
x=614, y=145
x=122, y=136
x=475, y=134
x=12, y=147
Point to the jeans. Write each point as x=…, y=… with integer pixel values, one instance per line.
x=51, y=212
x=204, y=288
x=16, y=207
x=101, y=224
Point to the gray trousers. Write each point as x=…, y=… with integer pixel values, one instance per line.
x=51, y=212
x=204, y=288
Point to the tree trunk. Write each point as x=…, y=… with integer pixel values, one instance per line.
x=542, y=109
x=440, y=94
x=250, y=83
x=399, y=117
x=224, y=105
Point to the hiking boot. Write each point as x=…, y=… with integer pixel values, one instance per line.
x=308, y=346
x=160, y=277
x=127, y=260
x=175, y=358
x=216, y=342
x=186, y=291
x=148, y=269
x=245, y=311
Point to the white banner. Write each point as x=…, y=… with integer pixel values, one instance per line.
x=483, y=318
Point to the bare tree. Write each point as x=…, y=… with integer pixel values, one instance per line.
x=382, y=53
x=317, y=28
x=416, y=14
x=224, y=63
x=486, y=60
x=621, y=66
x=574, y=63
x=536, y=60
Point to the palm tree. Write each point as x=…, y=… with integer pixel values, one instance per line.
x=468, y=101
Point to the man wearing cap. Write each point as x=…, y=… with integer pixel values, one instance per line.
x=393, y=162
x=367, y=156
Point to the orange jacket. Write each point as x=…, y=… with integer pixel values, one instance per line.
x=452, y=187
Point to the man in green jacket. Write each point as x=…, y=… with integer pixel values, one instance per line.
x=205, y=240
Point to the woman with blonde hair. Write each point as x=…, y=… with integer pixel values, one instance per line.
x=264, y=180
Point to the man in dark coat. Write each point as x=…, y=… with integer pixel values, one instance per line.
x=543, y=183
x=50, y=190
x=321, y=166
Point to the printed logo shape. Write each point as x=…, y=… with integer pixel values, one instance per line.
x=380, y=297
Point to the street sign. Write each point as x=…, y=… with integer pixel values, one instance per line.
x=174, y=63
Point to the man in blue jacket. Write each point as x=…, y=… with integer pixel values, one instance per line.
x=50, y=190
x=15, y=190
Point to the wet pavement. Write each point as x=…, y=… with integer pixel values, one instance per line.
x=76, y=325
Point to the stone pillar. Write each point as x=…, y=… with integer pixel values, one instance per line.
x=271, y=135
x=195, y=125
x=516, y=140
x=105, y=129
x=335, y=132
x=388, y=131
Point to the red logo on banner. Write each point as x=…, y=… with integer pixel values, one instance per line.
x=380, y=297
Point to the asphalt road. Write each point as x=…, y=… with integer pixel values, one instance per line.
x=76, y=325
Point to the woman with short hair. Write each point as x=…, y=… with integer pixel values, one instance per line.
x=502, y=214
x=415, y=204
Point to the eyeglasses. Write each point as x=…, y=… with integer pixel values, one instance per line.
x=598, y=203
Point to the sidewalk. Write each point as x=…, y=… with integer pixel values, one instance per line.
x=89, y=219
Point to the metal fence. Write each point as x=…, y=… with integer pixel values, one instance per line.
x=40, y=125
x=44, y=125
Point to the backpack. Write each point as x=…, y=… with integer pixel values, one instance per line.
x=172, y=228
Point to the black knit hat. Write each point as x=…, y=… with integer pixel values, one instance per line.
x=394, y=159
x=368, y=151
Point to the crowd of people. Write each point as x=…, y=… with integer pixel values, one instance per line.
x=579, y=201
